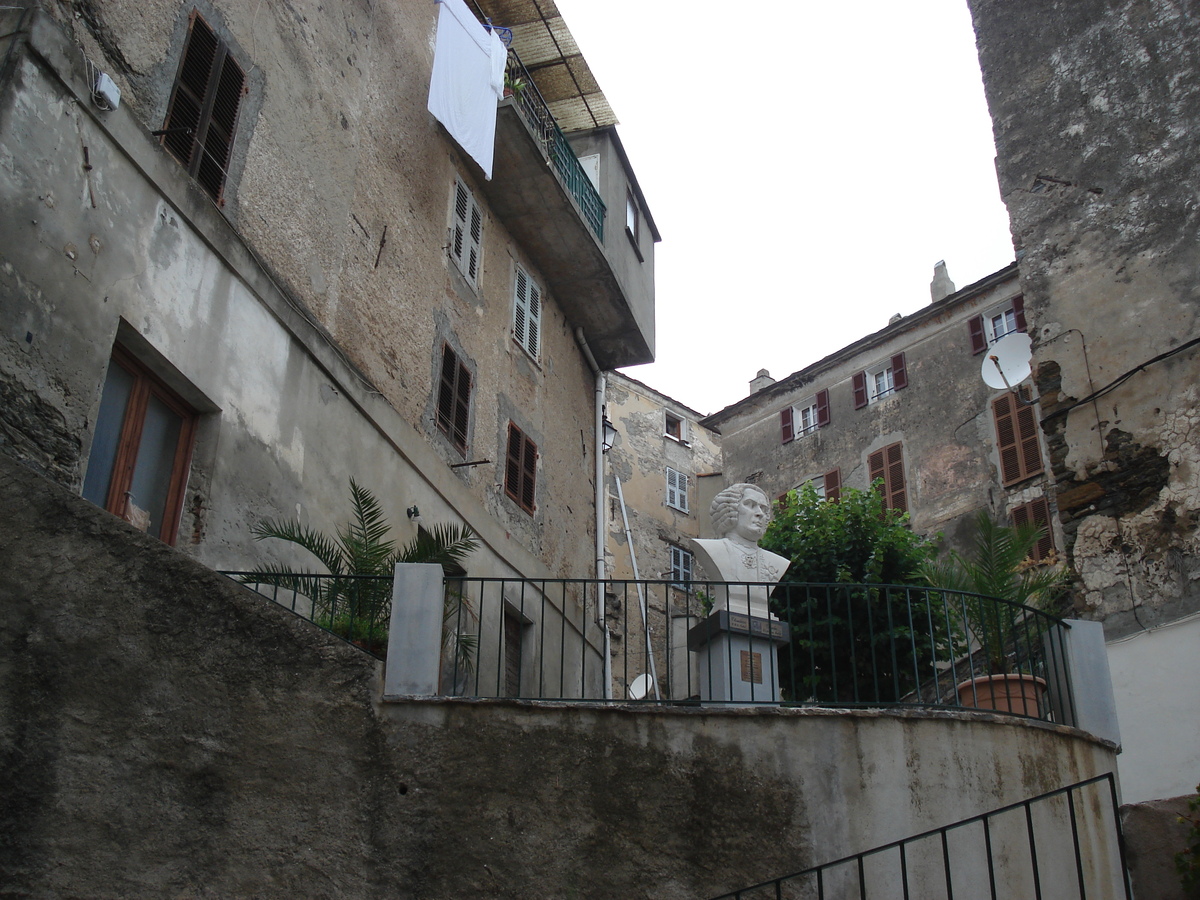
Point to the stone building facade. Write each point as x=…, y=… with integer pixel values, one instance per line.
x=1095, y=106
x=907, y=404
x=273, y=261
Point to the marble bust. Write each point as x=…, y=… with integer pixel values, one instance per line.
x=740, y=514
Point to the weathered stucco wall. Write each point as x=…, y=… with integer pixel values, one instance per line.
x=239, y=304
x=165, y=732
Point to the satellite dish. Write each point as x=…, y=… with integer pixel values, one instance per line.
x=1006, y=362
x=641, y=687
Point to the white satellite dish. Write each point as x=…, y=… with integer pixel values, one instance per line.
x=1006, y=362
x=641, y=687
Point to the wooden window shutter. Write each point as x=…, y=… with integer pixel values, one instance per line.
x=468, y=232
x=785, y=425
x=899, y=372
x=454, y=399
x=1036, y=511
x=833, y=485
x=203, y=110
x=888, y=464
x=860, y=390
x=822, y=408
x=677, y=485
x=978, y=337
x=1016, y=439
x=527, y=313
x=1019, y=313
x=520, y=472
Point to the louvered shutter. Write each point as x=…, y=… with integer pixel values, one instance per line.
x=476, y=235
x=468, y=232
x=677, y=484
x=512, y=465
x=785, y=425
x=535, y=320
x=897, y=494
x=899, y=373
x=528, y=473
x=876, y=468
x=1036, y=511
x=978, y=337
x=1016, y=439
x=860, y=390
x=1019, y=313
x=527, y=312
x=833, y=485
x=822, y=408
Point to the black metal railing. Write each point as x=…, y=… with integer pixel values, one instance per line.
x=555, y=147
x=1062, y=844
x=823, y=644
x=356, y=608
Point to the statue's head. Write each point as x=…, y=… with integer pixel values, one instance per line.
x=741, y=509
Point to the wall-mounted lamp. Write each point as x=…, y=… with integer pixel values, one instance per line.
x=413, y=512
x=610, y=435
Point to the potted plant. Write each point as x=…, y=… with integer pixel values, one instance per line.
x=1000, y=583
x=514, y=85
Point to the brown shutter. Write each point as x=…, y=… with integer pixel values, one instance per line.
x=897, y=495
x=876, y=467
x=454, y=399
x=1036, y=511
x=785, y=425
x=529, y=474
x=1019, y=313
x=1027, y=439
x=978, y=338
x=512, y=463
x=1016, y=439
x=899, y=373
x=822, y=408
x=833, y=485
x=463, y=408
x=860, y=390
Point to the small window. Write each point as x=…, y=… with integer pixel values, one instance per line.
x=888, y=464
x=827, y=486
x=520, y=470
x=454, y=399
x=527, y=312
x=203, y=110
x=142, y=448
x=882, y=381
x=681, y=568
x=807, y=417
x=1036, y=511
x=632, y=220
x=677, y=487
x=674, y=428
x=1016, y=439
x=995, y=324
x=466, y=239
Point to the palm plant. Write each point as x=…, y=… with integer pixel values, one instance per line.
x=1000, y=582
x=354, y=599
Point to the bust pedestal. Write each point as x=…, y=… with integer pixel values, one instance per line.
x=738, y=656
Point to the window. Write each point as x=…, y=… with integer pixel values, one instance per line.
x=1016, y=439
x=674, y=427
x=527, y=312
x=888, y=464
x=203, y=111
x=883, y=380
x=988, y=328
x=454, y=399
x=520, y=470
x=677, y=485
x=631, y=216
x=1038, y=512
x=797, y=421
x=513, y=634
x=829, y=485
x=466, y=233
x=681, y=568
x=142, y=449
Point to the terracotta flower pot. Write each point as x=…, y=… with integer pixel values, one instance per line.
x=1019, y=694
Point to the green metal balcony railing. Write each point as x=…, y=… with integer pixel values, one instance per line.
x=528, y=99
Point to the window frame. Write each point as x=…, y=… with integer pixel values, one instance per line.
x=980, y=329
x=118, y=499
x=527, y=312
x=466, y=232
x=452, y=412
x=677, y=492
x=792, y=417
x=520, y=469
x=194, y=109
x=681, y=432
x=864, y=382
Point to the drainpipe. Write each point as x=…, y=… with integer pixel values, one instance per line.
x=598, y=442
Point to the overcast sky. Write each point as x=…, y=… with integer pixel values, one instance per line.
x=807, y=164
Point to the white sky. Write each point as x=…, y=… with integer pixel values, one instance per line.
x=807, y=164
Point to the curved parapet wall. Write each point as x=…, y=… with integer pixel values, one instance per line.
x=165, y=732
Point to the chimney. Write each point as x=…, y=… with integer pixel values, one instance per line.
x=941, y=286
x=762, y=380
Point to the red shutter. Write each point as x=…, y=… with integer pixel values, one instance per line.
x=899, y=372
x=1019, y=313
x=897, y=496
x=978, y=338
x=876, y=468
x=785, y=425
x=822, y=408
x=529, y=474
x=833, y=485
x=860, y=390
